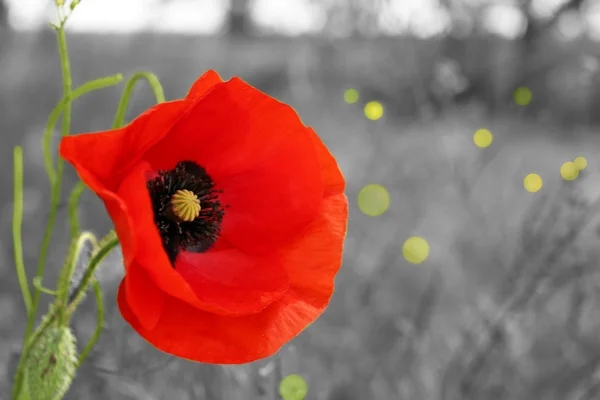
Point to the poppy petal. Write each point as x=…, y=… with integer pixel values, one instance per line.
x=333, y=180
x=195, y=335
x=144, y=297
x=259, y=153
x=314, y=259
x=192, y=334
x=109, y=155
x=233, y=281
x=206, y=82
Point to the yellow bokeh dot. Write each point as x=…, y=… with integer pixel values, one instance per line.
x=580, y=163
x=569, y=171
x=532, y=183
x=373, y=200
x=415, y=250
x=351, y=96
x=293, y=387
x=373, y=110
x=522, y=96
x=483, y=138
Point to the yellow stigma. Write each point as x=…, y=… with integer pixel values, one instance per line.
x=185, y=205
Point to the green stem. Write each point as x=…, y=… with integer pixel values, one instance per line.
x=73, y=201
x=129, y=86
x=80, y=91
x=69, y=267
x=99, y=323
x=56, y=184
x=108, y=243
x=37, y=283
x=16, y=227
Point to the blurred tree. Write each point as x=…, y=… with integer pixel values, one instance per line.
x=238, y=18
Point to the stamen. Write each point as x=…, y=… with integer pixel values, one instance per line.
x=186, y=205
x=187, y=208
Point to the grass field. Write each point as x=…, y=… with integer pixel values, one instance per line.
x=505, y=307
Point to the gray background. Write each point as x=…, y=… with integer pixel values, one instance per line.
x=505, y=307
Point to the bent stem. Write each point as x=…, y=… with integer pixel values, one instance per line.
x=109, y=242
x=66, y=276
x=37, y=283
x=129, y=86
x=87, y=87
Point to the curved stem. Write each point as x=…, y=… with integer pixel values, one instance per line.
x=80, y=91
x=99, y=323
x=69, y=267
x=105, y=246
x=16, y=228
x=129, y=86
x=37, y=283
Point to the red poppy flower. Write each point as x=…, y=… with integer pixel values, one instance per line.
x=231, y=216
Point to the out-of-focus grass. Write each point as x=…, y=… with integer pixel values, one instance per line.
x=505, y=307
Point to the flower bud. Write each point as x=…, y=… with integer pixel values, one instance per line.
x=51, y=363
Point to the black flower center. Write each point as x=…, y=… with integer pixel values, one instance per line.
x=187, y=210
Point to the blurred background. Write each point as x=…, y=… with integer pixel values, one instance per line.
x=506, y=304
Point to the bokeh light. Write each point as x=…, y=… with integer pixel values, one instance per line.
x=373, y=200
x=415, y=250
x=532, y=183
x=483, y=138
x=373, y=110
x=569, y=171
x=293, y=387
x=351, y=96
x=580, y=163
x=522, y=96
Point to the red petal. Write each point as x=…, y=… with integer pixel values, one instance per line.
x=333, y=180
x=192, y=334
x=313, y=260
x=143, y=296
x=108, y=156
x=195, y=335
x=236, y=283
x=258, y=151
x=203, y=85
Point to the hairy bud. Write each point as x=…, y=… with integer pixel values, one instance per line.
x=51, y=364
